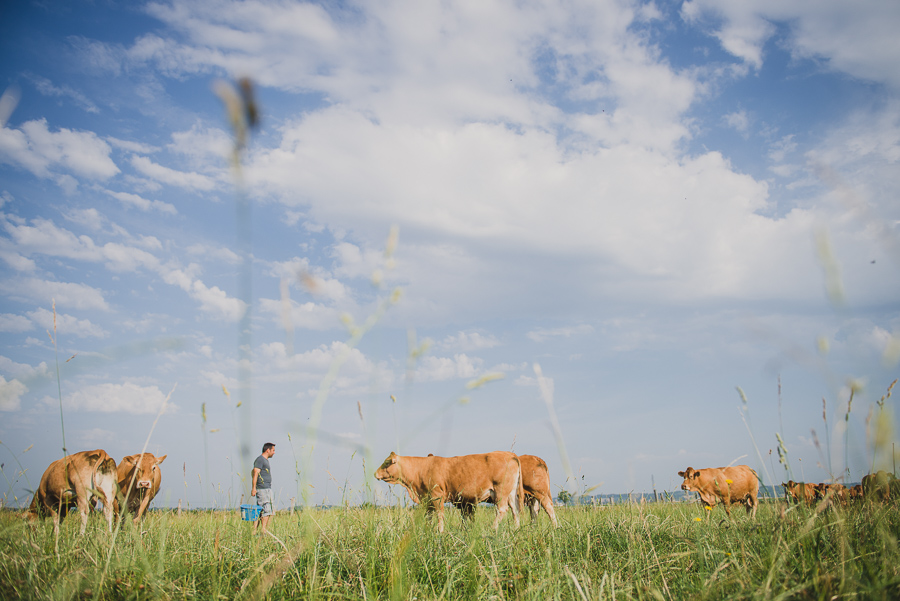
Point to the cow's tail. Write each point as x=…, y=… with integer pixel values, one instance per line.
x=518, y=495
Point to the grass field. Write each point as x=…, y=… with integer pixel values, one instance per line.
x=635, y=551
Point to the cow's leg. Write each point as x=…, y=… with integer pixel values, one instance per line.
x=84, y=508
x=502, y=506
x=437, y=506
x=531, y=503
x=468, y=512
x=547, y=504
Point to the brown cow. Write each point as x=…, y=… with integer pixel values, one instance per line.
x=735, y=484
x=800, y=491
x=832, y=494
x=139, y=479
x=856, y=492
x=536, y=482
x=880, y=485
x=76, y=479
x=464, y=481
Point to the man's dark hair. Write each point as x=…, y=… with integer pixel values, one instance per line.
x=267, y=446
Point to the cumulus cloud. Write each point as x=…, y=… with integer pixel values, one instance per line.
x=11, y=394
x=138, y=202
x=438, y=369
x=43, y=152
x=173, y=177
x=213, y=300
x=67, y=325
x=43, y=292
x=117, y=398
x=275, y=363
x=857, y=39
x=14, y=323
x=469, y=341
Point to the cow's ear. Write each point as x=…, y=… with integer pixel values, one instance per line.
x=431, y=454
x=681, y=474
x=128, y=459
x=161, y=459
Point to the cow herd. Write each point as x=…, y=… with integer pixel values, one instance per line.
x=509, y=481
x=81, y=479
x=880, y=486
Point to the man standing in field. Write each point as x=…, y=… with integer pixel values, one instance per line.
x=262, y=486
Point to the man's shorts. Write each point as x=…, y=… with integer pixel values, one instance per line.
x=264, y=498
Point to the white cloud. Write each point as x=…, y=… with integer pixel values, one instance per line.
x=308, y=315
x=469, y=341
x=438, y=369
x=66, y=294
x=274, y=363
x=117, y=398
x=856, y=38
x=22, y=371
x=216, y=253
x=43, y=152
x=173, y=177
x=133, y=200
x=67, y=325
x=542, y=334
x=739, y=121
x=213, y=300
x=14, y=323
x=47, y=88
x=11, y=394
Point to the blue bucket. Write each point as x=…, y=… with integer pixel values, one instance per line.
x=250, y=513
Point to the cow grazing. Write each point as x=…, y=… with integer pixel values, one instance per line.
x=798, y=492
x=736, y=484
x=832, y=494
x=880, y=486
x=856, y=493
x=536, y=482
x=76, y=479
x=463, y=481
x=139, y=479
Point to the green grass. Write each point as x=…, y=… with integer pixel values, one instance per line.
x=635, y=551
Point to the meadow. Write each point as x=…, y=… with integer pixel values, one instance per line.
x=629, y=551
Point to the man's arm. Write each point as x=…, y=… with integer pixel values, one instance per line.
x=255, y=476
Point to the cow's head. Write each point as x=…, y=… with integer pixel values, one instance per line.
x=691, y=479
x=390, y=470
x=144, y=470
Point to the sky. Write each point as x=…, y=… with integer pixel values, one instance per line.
x=628, y=237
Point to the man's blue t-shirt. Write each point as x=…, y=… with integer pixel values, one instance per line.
x=264, y=480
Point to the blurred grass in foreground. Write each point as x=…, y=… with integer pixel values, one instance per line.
x=634, y=551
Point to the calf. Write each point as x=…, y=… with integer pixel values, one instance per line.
x=536, y=482
x=463, y=481
x=139, y=479
x=736, y=484
x=76, y=479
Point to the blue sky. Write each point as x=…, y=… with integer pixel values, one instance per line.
x=650, y=205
